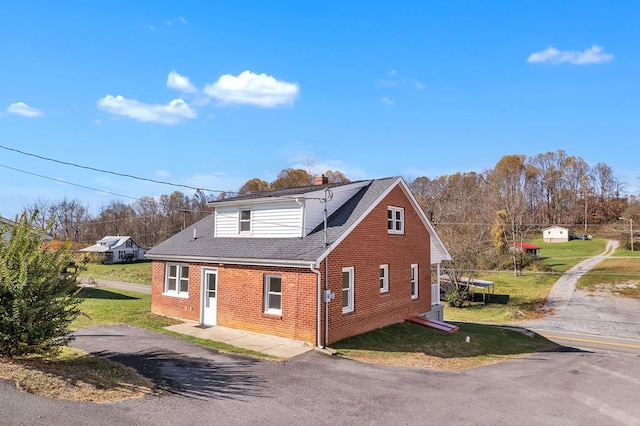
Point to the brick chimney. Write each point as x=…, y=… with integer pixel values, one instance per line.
x=321, y=180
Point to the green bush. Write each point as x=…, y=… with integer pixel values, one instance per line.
x=455, y=296
x=38, y=293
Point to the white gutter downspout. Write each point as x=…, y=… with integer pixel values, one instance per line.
x=319, y=317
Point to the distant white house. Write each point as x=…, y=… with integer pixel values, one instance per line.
x=116, y=249
x=556, y=234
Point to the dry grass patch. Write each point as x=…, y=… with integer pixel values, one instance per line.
x=410, y=345
x=614, y=276
x=422, y=360
x=75, y=375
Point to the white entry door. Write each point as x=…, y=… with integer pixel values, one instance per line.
x=209, y=296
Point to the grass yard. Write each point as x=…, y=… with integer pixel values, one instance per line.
x=521, y=297
x=618, y=276
x=138, y=272
x=411, y=345
x=109, y=306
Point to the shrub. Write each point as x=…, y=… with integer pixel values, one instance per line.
x=455, y=296
x=38, y=295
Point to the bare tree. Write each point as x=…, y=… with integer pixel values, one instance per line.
x=71, y=218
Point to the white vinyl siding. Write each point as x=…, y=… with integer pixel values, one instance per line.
x=176, y=280
x=384, y=278
x=347, y=290
x=277, y=220
x=226, y=222
x=414, y=281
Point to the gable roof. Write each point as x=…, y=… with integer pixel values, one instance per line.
x=109, y=243
x=555, y=227
x=282, y=251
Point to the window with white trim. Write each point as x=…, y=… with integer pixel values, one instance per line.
x=414, y=281
x=245, y=221
x=177, y=279
x=384, y=278
x=273, y=294
x=347, y=290
x=395, y=220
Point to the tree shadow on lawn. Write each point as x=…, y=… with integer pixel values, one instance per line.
x=96, y=293
x=484, y=340
x=192, y=377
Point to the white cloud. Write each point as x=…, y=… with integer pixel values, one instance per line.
x=393, y=72
x=163, y=173
x=174, y=112
x=20, y=108
x=253, y=89
x=179, y=20
x=551, y=55
x=180, y=82
x=387, y=101
x=419, y=85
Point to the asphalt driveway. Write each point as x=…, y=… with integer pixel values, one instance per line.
x=202, y=386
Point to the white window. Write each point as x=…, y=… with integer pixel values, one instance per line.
x=273, y=294
x=384, y=278
x=177, y=280
x=395, y=220
x=414, y=281
x=347, y=290
x=245, y=221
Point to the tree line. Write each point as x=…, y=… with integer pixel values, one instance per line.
x=506, y=203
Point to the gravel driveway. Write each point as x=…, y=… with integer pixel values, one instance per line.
x=575, y=311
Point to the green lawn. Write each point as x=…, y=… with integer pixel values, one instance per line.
x=519, y=298
x=413, y=345
x=139, y=272
x=109, y=306
x=617, y=275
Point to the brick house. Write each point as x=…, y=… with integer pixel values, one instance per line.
x=265, y=262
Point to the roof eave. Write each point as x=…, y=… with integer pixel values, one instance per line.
x=233, y=261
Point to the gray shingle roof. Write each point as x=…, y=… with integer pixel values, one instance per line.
x=294, y=250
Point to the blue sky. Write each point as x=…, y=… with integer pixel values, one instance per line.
x=211, y=94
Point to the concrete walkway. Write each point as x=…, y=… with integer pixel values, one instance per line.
x=270, y=345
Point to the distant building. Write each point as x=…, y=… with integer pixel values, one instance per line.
x=117, y=249
x=556, y=234
x=527, y=248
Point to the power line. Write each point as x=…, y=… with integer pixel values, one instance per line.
x=68, y=183
x=95, y=169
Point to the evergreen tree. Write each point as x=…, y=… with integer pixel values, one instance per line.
x=38, y=296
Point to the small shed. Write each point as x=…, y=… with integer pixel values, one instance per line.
x=527, y=248
x=556, y=234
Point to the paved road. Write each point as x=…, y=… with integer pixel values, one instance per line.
x=202, y=386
